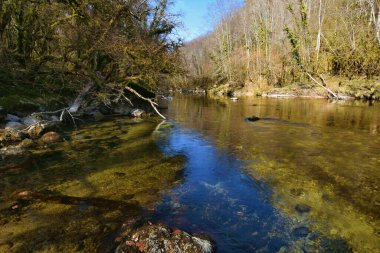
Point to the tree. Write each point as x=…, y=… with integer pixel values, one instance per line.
x=66, y=44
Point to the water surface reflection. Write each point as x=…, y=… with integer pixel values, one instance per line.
x=325, y=156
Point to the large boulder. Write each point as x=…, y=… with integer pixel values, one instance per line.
x=50, y=138
x=152, y=238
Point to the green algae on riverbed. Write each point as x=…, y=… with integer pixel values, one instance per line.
x=86, y=187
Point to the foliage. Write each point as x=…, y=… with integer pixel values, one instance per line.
x=271, y=42
x=58, y=46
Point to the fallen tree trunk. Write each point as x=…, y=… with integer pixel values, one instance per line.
x=334, y=95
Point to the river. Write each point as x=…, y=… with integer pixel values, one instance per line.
x=305, y=178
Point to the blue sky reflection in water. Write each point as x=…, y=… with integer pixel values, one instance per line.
x=217, y=198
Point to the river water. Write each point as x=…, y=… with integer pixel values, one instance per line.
x=305, y=178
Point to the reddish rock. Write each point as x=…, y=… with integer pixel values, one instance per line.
x=51, y=137
x=151, y=238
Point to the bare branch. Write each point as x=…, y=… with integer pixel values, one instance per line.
x=153, y=104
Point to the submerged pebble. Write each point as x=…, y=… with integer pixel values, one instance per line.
x=301, y=232
x=303, y=208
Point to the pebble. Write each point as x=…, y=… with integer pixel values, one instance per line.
x=303, y=208
x=301, y=232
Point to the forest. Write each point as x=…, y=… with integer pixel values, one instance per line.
x=275, y=43
x=232, y=165
x=53, y=49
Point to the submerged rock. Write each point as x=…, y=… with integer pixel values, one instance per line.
x=303, y=208
x=26, y=143
x=14, y=156
x=301, y=232
x=12, y=151
x=50, y=137
x=152, y=238
x=252, y=119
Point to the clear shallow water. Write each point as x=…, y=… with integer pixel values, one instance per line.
x=207, y=171
x=244, y=180
x=217, y=198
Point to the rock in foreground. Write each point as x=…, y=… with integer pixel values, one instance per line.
x=158, y=238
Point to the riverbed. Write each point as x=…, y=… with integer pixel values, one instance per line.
x=304, y=178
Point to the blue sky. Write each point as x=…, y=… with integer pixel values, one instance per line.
x=195, y=17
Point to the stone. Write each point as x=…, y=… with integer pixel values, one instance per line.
x=35, y=131
x=151, y=238
x=9, y=135
x=50, y=138
x=13, y=157
x=15, y=125
x=303, y=208
x=252, y=119
x=301, y=232
x=11, y=117
x=31, y=120
x=26, y=143
x=12, y=151
x=137, y=113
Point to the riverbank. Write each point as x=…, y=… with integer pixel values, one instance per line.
x=344, y=88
